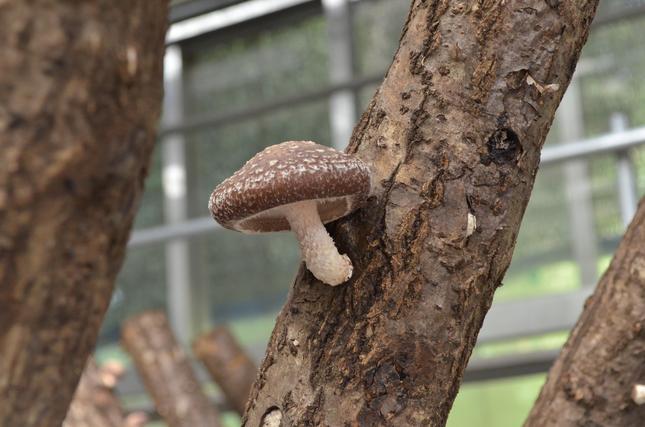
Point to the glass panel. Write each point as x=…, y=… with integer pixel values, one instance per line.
x=216, y=153
x=237, y=70
x=615, y=86
x=377, y=28
x=616, y=56
x=140, y=286
x=638, y=157
x=247, y=276
x=544, y=261
x=611, y=8
x=365, y=95
x=151, y=206
x=543, y=243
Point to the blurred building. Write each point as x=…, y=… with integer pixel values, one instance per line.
x=242, y=75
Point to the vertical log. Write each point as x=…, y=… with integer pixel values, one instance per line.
x=592, y=380
x=453, y=137
x=80, y=93
x=166, y=372
x=228, y=365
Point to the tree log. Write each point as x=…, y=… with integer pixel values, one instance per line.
x=80, y=84
x=592, y=379
x=228, y=364
x=94, y=402
x=453, y=137
x=166, y=372
x=96, y=405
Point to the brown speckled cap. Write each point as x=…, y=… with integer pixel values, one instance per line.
x=290, y=172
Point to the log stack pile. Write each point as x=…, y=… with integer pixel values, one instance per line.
x=168, y=376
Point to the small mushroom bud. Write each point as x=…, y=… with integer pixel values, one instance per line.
x=638, y=394
x=298, y=186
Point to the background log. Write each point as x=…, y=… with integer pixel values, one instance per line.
x=228, y=364
x=591, y=382
x=166, y=372
x=94, y=402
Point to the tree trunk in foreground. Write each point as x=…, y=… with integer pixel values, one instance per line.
x=453, y=137
x=166, y=372
x=591, y=382
x=228, y=364
x=80, y=84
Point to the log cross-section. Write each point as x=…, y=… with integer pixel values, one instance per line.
x=453, y=137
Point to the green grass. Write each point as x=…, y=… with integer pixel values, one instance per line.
x=229, y=419
x=500, y=403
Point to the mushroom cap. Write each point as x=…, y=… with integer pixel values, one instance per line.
x=255, y=197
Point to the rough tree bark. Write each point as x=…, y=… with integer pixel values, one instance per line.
x=166, y=372
x=453, y=136
x=591, y=381
x=228, y=364
x=80, y=84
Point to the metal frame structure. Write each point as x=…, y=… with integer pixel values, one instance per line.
x=617, y=143
x=506, y=320
x=186, y=9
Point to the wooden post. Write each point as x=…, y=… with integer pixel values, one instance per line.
x=166, y=372
x=228, y=365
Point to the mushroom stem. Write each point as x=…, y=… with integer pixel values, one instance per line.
x=317, y=246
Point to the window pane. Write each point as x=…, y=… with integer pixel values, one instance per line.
x=377, y=28
x=233, y=71
x=214, y=154
x=151, y=206
x=140, y=286
x=247, y=275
